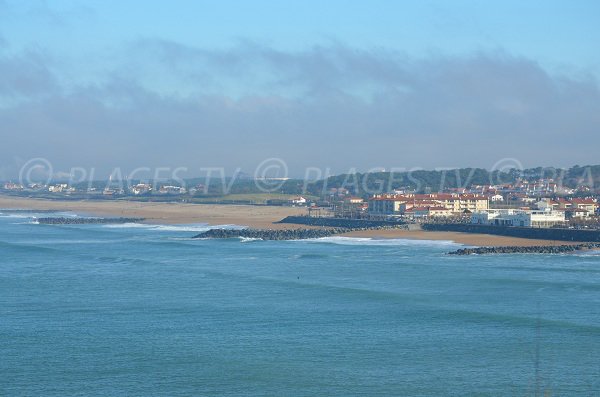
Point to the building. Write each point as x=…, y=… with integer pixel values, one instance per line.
x=353, y=200
x=496, y=198
x=588, y=204
x=427, y=212
x=523, y=218
x=464, y=202
x=170, y=189
x=387, y=205
x=297, y=201
x=141, y=188
x=576, y=213
x=58, y=188
x=398, y=204
x=547, y=204
x=13, y=186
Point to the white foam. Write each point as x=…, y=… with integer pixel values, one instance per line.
x=20, y=216
x=248, y=239
x=382, y=241
x=587, y=253
x=200, y=227
x=66, y=242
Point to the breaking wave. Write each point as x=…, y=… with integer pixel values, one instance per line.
x=248, y=239
x=383, y=241
x=200, y=227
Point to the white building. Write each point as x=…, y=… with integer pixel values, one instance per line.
x=523, y=218
x=170, y=189
x=141, y=188
x=300, y=201
x=13, y=186
x=58, y=188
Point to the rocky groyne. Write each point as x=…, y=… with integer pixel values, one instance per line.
x=535, y=249
x=284, y=234
x=270, y=234
x=86, y=221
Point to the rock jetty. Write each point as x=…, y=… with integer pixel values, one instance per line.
x=86, y=221
x=284, y=234
x=535, y=249
x=270, y=234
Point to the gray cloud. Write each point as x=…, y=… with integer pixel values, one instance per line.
x=25, y=76
x=331, y=106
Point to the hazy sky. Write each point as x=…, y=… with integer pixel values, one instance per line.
x=338, y=84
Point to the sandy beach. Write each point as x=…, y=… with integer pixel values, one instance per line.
x=164, y=213
x=246, y=215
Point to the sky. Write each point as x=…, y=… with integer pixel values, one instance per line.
x=332, y=86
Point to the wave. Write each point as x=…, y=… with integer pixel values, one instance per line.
x=19, y=216
x=248, y=239
x=27, y=248
x=310, y=256
x=73, y=241
x=383, y=241
x=198, y=227
x=587, y=253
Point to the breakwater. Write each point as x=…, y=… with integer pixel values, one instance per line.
x=341, y=222
x=86, y=221
x=270, y=234
x=522, y=232
x=536, y=249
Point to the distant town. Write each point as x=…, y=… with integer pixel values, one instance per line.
x=567, y=201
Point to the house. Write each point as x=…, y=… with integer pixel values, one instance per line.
x=427, y=212
x=587, y=204
x=297, y=201
x=58, y=188
x=546, y=204
x=576, y=213
x=169, y=189
x=387, y=204
x=13, y=186
x=353, y=200
x=141, y=188
x=563, y=203
x=496, y=198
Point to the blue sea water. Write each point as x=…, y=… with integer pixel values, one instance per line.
x=142, y=310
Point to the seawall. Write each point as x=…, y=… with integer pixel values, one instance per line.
x=522, y=232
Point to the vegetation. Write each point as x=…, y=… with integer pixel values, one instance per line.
x=244, y=189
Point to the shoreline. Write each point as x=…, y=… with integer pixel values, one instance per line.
x=246, y=215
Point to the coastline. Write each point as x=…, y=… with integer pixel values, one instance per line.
x=259, y=217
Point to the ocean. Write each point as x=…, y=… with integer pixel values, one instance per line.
x=144, y=310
